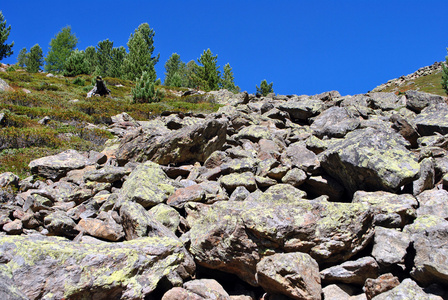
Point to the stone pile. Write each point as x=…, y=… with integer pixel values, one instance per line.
x=277, y=197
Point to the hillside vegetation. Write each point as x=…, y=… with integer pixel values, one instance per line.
x=75, y=122
x=427, y=79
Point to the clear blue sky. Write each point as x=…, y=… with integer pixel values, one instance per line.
x=303, y=47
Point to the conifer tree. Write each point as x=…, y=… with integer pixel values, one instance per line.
x=90, y=58
x=104, y=56
x=115, y=68
x=265, y=88
x=139, y=58
x=5, y=49
x=227, y=81
x=445, y=74
x=21, y=58
x=61, y=46
x=76, y=64
x=207, y=73
x=34, y=59
x=175, y=71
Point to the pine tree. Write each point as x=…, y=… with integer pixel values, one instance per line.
x=115, y=68
x=208, y=74
x=90, y=57
x=34, y=59
x=145, y=91
x=445, y=74
x=104, y=56
x=175, y=71
x=61, y=47
x=227, y=81
x=265, y=88
x=5, y=49
x=190, y=75
x=21, y=58
x=76, y=64
x=140, y=59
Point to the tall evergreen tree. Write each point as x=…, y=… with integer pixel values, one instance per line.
x=265, y=88
x=104, y=56
x=90, y=58
x=227, y=80
x=190, y=75
x=5, y=49
x=115, y=68
x=61, y=47
x=139, y=58
x=445, y=74
x=207, y=73
x=34, y=59
x=21, y=58
x=175, y=71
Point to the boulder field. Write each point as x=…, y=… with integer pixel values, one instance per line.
x=276, y=197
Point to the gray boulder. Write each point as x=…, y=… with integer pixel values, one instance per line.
x=390, y=246
x=56, y=166
x=429, y=235
x=53, y=267
x=194, y=142
x=295, y=275
x=432, y=120
x=147, y=185
x=352, y=272
x=433, y=202
x=301, y=110
x=370, y=159
x=334, y=122
x=417, y=101
x=407, y=289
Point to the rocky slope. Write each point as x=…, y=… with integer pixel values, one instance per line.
x=277, y=197
x=425, y=79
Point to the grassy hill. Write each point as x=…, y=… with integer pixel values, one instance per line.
x=429, y=80
x=76, y=122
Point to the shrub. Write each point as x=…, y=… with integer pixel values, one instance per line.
x=264, y=88
x=79, y=81
x=145, y=91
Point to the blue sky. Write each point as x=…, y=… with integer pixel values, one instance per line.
x=303, y=47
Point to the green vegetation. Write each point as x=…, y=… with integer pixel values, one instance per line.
x=444, y=81
x=265, y=88
x=61, y=46
x=430, y=84
x=145, y=91
x=23, y=138
x=140, y=59
x=35, y=59
x=5, y=49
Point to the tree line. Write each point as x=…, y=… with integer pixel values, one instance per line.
x=136, y=64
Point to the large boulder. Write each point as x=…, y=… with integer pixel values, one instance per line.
x=353, y=272
x=55, y=268
x=417, y=101
x=194, y=142
x=429, y=235
x=147, y=185
x=234, y=236
x=391, y=210
x=56, y=166
x=433, y=119
x=334, y=122
x=303, y=109
x=371, y=159
x=295, y=275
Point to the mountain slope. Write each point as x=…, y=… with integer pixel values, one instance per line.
x=427, y=79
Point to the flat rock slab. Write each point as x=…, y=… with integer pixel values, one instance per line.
x=56, y=166
x=53, y=267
